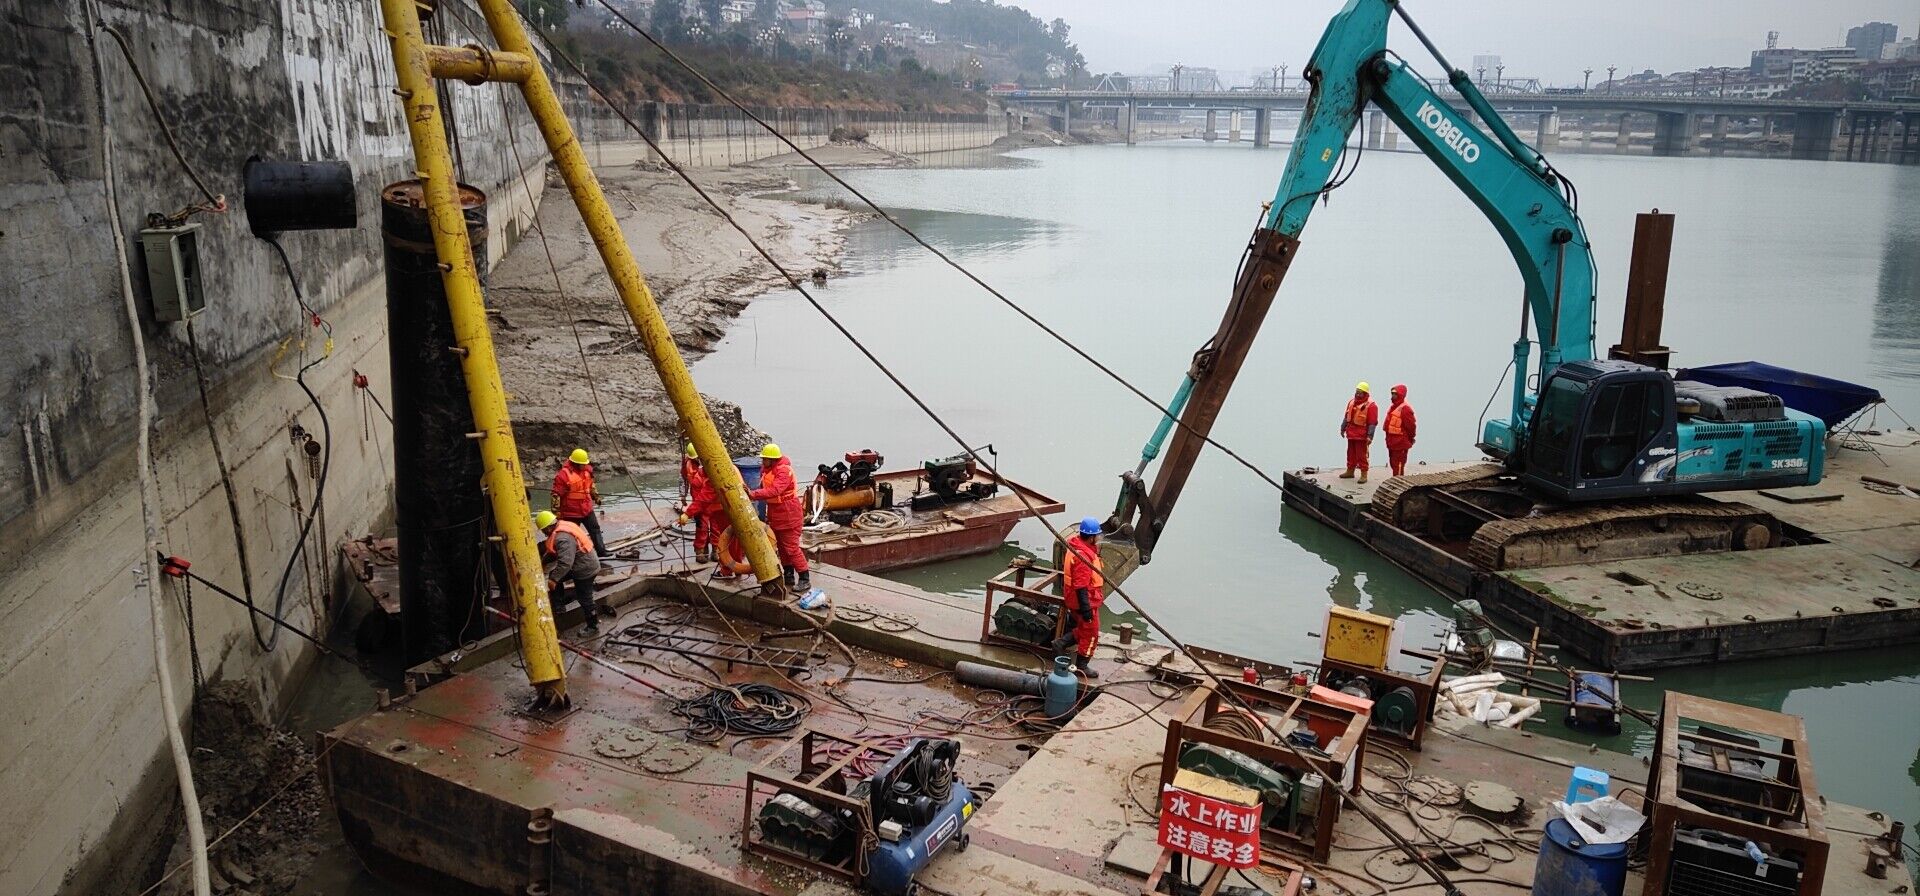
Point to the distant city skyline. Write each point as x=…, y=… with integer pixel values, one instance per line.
x=1552, y=42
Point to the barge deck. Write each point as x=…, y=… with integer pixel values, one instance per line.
x=439, y=787
x=1852, y=581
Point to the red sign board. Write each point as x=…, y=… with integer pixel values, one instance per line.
x=1210, y=829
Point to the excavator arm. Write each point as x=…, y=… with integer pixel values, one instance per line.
x=1527, y=202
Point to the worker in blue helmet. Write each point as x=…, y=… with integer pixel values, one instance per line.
x=1081, y=575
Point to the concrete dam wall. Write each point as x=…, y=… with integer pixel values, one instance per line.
x=83, y=767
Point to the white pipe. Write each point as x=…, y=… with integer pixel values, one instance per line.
x=149, y=493
x=1453, y=684
x=1525, y=713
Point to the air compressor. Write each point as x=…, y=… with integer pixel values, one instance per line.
x=917, y=803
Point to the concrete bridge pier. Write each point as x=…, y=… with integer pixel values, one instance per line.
x=1066, y=118
x=1127, y=113
x=1393, y=138
x=1673, y=133
x=1719, y=135
x=1905, y=149
x=1211, y=134
x=1262, y=128
x=1623, y=132
x=1376, y=127
x=1547, y=132
x=1814, y=134
x=1233, y=126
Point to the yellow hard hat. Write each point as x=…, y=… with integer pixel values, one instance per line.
x=1363, y=387
x=771, y=451
x=579, y=456
x=690, y=450
x=544, y=519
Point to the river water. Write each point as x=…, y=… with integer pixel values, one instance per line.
x=1131, y=251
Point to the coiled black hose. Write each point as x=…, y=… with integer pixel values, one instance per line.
x=755, y=710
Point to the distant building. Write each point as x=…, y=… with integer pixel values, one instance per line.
x=734, y=12
x=1906, y=48
x=1486, y=62
x=1801, y=66
x=1868, y=40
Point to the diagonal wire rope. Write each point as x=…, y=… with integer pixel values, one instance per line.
x=1413, y=853
x=1056, y=335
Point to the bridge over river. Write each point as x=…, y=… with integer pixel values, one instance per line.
x=1818, y=129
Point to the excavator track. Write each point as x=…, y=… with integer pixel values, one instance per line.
x=1620, y=531
x=1561, y=534
x=1399, y=500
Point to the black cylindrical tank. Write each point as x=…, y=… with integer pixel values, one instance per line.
x=282, y=196
x=439, y=510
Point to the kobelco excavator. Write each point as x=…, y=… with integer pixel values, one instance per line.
x=1603, y=448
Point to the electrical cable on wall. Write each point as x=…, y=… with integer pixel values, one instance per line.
x=272, y=638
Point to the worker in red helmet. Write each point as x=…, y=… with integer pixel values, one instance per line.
x=785, y=516
x=1083, y=584
x=1356, y=426
x=1399, y=426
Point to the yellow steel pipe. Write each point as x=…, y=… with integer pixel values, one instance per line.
x=506, y=489
x=655, y=336
x=475, y=65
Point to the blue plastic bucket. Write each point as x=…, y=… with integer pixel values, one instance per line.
x=1569, y=866
x=750, y=473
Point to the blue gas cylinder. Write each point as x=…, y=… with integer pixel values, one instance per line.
x=1060, y=689
x=750, y=474
x=1570, y=866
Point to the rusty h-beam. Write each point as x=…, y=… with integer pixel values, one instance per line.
x=1647, y=292
x=417, y=63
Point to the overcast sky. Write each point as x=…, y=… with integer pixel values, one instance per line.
x=1551, y=40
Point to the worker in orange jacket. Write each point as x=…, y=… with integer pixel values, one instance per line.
x=1356, y=426
x=574, y=497
x=1082, y=575
x=1399, y=428
x=703, y=506
x=785, y=516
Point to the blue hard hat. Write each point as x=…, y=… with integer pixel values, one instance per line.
x=1089, y=526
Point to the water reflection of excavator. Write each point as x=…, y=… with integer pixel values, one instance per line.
x=1604, y=449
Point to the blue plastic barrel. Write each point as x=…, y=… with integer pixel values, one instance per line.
x=750, y=473
x=1570, y=866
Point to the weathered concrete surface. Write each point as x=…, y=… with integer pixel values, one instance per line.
x=82, y=760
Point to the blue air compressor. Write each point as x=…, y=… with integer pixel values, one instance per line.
x=917, y=806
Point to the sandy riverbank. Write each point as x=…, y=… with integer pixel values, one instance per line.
x=702, y=273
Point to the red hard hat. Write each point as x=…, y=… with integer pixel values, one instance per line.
x=1399, y=388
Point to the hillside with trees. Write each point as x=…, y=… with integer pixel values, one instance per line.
x=891, y=54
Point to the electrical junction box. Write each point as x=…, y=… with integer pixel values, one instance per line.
x=1361, y=639
x=173, y=271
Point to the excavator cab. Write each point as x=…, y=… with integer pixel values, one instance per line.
x=1599, y=429
x=1611, y=429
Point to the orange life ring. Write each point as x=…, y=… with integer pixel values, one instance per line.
x=734, y=554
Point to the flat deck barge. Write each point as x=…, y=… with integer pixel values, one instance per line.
x=439, y=787
x=1852, y=581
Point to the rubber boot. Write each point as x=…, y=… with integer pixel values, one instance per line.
x=1348, y=474
x=1080, y=663
x=804, y=584
x=1063, y=645
x=786, y=576
x=1363, y=476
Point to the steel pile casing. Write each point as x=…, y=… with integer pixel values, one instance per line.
x=439, y=509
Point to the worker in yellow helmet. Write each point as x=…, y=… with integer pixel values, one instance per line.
x=574, y=497
x=785, y=516
x=1357, y=426
x=568, y=554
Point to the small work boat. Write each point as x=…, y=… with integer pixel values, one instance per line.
x=921, y=517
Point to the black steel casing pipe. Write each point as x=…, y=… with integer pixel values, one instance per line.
x=439, y=509
x=282, y=196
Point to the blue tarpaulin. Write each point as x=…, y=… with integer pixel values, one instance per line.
x=1833, y=401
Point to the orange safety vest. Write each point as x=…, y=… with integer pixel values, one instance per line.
x=1357, y=413
x=1394, y=426
x=575, y=487
x=1074, y=559
x=581, y=540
